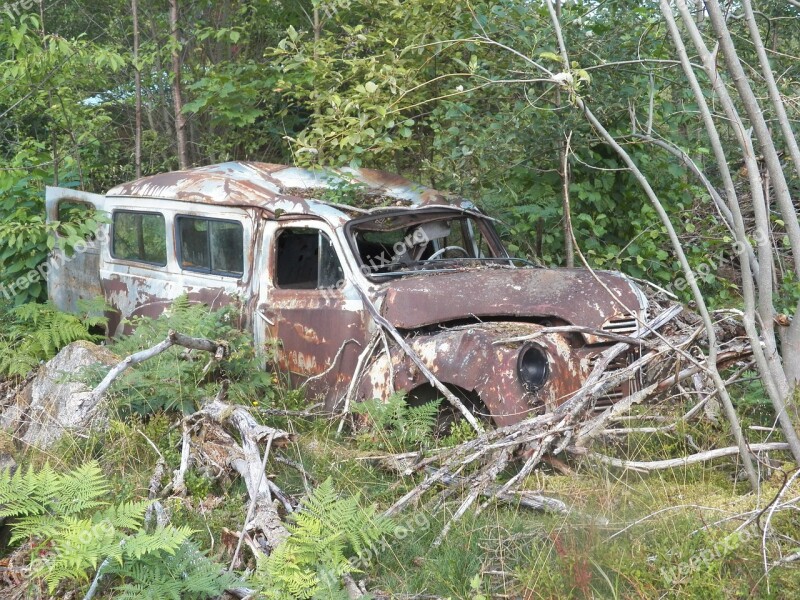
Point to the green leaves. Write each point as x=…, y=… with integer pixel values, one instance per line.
x=394, y=425
x=326, y=529
x=75, y=536
x=36, y=332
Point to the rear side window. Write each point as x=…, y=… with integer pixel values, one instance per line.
x=211, y=246
x=306, y=260
x=139, y=236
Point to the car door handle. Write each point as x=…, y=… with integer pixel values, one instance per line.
x=266, y=319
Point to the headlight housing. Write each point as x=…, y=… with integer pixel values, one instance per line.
x=532, y=367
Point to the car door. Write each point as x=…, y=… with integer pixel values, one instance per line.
x=73, y=276
x=314, y=318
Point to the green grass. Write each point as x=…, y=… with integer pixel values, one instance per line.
x=628, y=535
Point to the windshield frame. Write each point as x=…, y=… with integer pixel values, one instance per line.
x=483, y=221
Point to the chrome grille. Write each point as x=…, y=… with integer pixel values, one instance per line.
x=623, y=325
x=625, y=388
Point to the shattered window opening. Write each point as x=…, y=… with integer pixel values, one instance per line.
x=306, y=260
x=399, y=244
x=211, y=245
x=139, y=236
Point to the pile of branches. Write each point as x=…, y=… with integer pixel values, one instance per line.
x=671, y=356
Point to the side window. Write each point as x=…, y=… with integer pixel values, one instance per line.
x=139, y=236
x=211, y=245
x=306, y=260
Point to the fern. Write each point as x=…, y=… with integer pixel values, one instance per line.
x=311, y=562
x=78, y=532
x=393, y=425
x=177, y=379
x=185, y=573
x=165, y=539
x=36, y=332
x=39, y=498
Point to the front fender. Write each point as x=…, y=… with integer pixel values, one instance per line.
x=483, y=358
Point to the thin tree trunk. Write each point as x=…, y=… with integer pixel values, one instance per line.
x=730, y=412
x=772, y=87
x=748, y=289
x=53, y=136
x=764, y=280
x=768, y=359
x=792, y=335
x=782, y=195
x=162, y=102
x=137, y=83
x=568, y=236
x=180, y=121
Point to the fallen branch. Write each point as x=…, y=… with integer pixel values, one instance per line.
x=577, y=329
x=536, y=436
x=684, y=461
x=263, y=529
x=524, y=498
x=357, y=374
x=173, y=339
x=432, y=379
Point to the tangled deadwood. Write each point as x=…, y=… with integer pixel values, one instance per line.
x=669, y=360
x=208, y=443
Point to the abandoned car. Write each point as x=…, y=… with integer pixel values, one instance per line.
x=316, y=258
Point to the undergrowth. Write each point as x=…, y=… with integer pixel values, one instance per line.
x=75, y=533
x=628, y=535
x=36, y=332
x=179, y=379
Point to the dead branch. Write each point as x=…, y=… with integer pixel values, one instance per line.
x=333, y=364
x=571, y=424
x=577, y=329
x=253, y=500
x=263, y=529
x=432, y=379
x=173, y=339
x=360, y=366
x=524, y=498
x=684, y=461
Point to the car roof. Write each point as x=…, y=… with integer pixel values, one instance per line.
x=336, y=194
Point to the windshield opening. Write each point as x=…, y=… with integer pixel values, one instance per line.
x=412, y=242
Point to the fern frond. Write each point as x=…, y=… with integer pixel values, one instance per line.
x=128, y=515
x=80, y=489
x=311, y=562
x=165, y=539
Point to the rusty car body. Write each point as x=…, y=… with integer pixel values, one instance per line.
x=305, y=251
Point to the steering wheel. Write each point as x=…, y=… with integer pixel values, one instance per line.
x=441, y=251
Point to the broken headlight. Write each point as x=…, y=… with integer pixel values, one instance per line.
x=532, y=367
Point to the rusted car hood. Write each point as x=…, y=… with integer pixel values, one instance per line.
x=574, y=295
